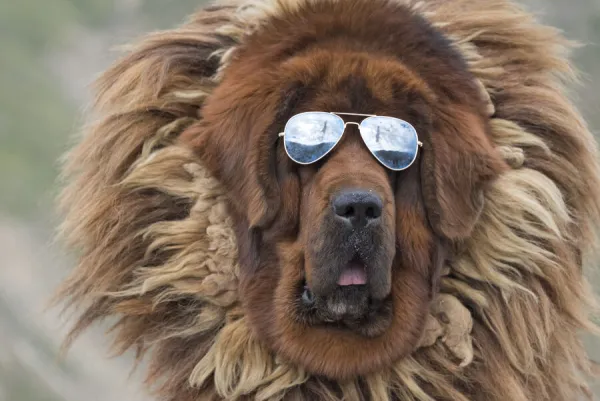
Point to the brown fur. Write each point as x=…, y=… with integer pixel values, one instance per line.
x=194, y=227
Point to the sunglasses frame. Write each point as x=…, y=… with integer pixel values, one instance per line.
x=346, y=123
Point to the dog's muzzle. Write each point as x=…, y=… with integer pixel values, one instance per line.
x=351, y=272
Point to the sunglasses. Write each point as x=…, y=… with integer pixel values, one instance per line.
x=309, y=137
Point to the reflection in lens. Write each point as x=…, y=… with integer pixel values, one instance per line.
x=392, y=141
x=310, y=136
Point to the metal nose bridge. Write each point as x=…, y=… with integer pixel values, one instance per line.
x=350, y=123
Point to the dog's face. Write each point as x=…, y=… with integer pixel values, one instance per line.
x=339, y=259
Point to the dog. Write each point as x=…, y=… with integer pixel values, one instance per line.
x=331, y=199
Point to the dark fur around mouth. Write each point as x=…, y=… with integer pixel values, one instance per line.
x=347, y=308
x=370, y=247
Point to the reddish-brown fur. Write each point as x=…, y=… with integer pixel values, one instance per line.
x=412, y=73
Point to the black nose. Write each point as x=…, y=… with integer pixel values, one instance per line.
x=358, y=207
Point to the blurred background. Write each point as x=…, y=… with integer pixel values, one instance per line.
x=50, y=51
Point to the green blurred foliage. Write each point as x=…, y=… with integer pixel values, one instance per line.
x=36, y=117
x=162, y=13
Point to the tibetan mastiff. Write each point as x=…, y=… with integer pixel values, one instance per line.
x=340, y=199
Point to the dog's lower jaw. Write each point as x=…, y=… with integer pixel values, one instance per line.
x=347, y=308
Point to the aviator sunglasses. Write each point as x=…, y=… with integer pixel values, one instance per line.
x=310, y=136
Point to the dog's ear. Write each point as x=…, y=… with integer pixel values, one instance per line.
x=237, y=140
x=458, y=161
x=232, y=146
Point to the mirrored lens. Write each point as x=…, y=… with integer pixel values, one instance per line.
x=310, y=136
x=392, y=141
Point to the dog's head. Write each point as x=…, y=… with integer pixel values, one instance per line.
x=340, y=258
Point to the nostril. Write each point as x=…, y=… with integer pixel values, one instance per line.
x=372, y=212
x=349, y=212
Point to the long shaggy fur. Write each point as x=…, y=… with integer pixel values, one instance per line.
x=157, y=250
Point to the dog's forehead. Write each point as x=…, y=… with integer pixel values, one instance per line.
x=358, y=80
x=355, y=73
x=327, y=36
x=342, y=81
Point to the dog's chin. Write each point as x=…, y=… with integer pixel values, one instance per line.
x=348, y=306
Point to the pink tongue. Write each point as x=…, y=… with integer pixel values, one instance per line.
x=353, y=274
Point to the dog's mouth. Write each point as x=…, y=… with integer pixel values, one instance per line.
x=349, y=305
x=354, y=273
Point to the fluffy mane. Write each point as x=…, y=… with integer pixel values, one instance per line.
x=157, y=251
